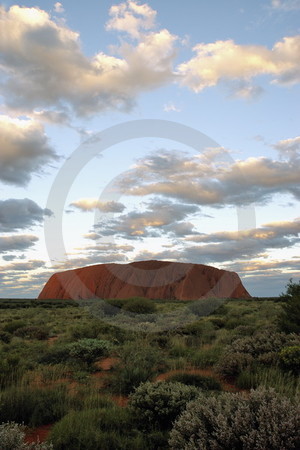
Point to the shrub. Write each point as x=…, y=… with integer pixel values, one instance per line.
x=289, y=319
x=206, y=306
x=5, y=337
x=89, y=350
x=200, y=381
x=32, y=332
x=158, y=404
x=290, y=358
x=292, y=290
x=105, y=429
x=140, y=305
x=12, y=438
x=11, y=327
x=140, y=363
x=31, y=406
x=57, y=354
x=265, y=420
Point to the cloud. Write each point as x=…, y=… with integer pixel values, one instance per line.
x=286, y=5
x=44, y=66
x=131, y=17
x=58, y=8
x=24, y=150
x=92, y=204
x=289, y=148
x=232, y=246
x=16, y=242
x=149, y=223
x=212, y=178
x=23, y=266
x=226, y=61
x=170, y=107
x=18, y=214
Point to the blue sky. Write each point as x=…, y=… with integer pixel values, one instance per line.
x=71, y=71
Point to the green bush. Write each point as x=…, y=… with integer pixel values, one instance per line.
x=12, y=437
x=139, y=363
x=200, y=381
x=105, y=429
x=156, y=405
x=32, y=332
x=289, y=319
x=140, y=305
x=205, y=306
x=292, y=290
x=11, y=327
x=290, y=358
x=31, y=406
x=88, y=350
x=264, y=420
x=57, y=354
x=5, y=337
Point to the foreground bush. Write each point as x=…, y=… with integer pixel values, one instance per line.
x=290, y=358
x=89, y=350
x=140, y=305
x=264, y=421
x=31, y=406
x=157, y=405
x=200, y=381
x=92, y=429
x=12, y=438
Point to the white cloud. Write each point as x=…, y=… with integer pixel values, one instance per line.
x=24, y=150
x=226, y=61
x=286, y=5
x=289, y=148
x=58, y=8
x=44, y=66
x=132, y=18
x=92, y=204
x=171, y=107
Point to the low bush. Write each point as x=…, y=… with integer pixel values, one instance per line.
x=32, y=332
x=12, y=326
x=140, y=305
x=290, y=358
x=156, y=405
x=12, y=437
x=200, y=381
x=105, y=429
x=31, y=406
x=264, y=420
x=88, y=350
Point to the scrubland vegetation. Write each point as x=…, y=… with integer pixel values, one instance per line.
x=142, y=374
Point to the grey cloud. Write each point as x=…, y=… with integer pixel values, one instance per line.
x=211, y=180
x=20, y=214
x=16, y=243
x=24, y=150
x=151, y=222
x=23, y=266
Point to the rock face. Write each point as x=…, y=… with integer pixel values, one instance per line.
x=151, y=279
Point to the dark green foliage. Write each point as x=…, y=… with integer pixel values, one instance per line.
x=262, y=421
x=140, y=362
x=5, y=337
x=292, y=290
x=11, y=327
x=289, y=319
x=32, y=406
x=156, y=405
x=32, y=332
x=97, y=429
x=200, y=381
x=290, y=358
x=88, y=350
x=140, y=305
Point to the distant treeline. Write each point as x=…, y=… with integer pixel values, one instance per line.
x=14, y=303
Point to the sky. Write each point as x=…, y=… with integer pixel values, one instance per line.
x=163, y=130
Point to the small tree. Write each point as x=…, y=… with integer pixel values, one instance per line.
x=289, y=319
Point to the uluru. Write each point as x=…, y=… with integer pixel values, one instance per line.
x=150, y=279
